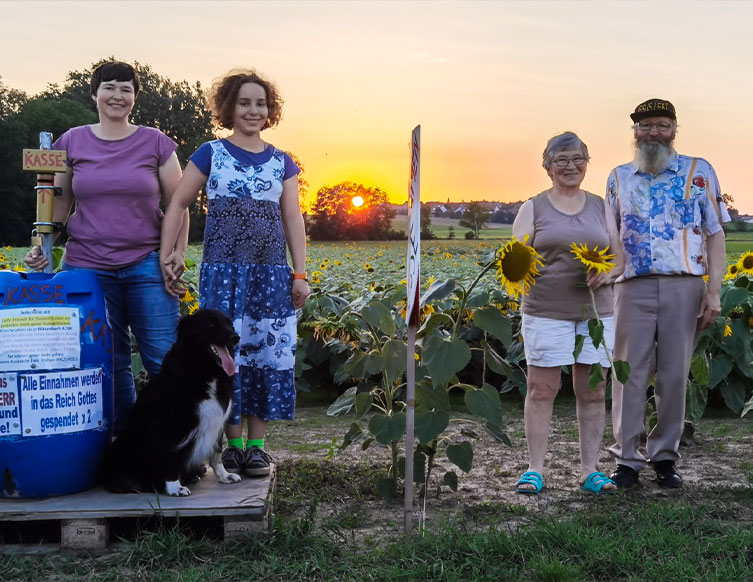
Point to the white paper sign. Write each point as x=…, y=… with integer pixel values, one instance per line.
x=413, y=262
x=10, y=405
x=39, y=338
x=61, y=402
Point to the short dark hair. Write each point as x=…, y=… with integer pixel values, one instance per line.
x=224, y=94
x=114, y=71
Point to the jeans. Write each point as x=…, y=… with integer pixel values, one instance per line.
x=135, y=297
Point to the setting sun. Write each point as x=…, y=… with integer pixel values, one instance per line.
x=357, y=201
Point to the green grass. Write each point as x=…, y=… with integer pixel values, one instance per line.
x=611, y=540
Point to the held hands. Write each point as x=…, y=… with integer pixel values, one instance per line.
x=35, y=259
x=300, y=292
x=173, y=266
x=711, y=307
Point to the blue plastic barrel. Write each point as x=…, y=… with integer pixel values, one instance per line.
x=56, y=382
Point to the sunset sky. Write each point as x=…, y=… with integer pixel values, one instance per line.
x=489, y=82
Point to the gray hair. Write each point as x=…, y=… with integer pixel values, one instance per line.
x=560, y=143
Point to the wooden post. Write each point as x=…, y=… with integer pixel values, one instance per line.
x=45, y=161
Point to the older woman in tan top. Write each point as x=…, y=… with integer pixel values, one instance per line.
x=558, y=308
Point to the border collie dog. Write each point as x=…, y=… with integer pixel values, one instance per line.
x=176, y=423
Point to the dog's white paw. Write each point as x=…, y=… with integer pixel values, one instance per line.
x=224, y=477
x=175, y=489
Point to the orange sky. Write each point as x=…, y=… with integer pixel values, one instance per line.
x=489, y=82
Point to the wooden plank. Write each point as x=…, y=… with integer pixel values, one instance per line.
x=251, y=497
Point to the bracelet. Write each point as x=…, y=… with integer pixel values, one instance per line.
x=300, y=276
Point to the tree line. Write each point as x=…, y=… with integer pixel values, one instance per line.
x=178, y=109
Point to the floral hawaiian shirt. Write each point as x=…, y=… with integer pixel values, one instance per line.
x=664, y=219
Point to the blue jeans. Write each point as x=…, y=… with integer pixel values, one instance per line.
x=135, y=297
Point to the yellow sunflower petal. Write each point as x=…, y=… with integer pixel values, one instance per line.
x=596, y=259
x=516, y=266
x=745, y=264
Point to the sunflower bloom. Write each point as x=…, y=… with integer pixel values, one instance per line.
x=186, y=297
x=727, y=330
x=316, y=277
x=516, y=266
x=732, y=272
x=596, y=259
x=745, y=264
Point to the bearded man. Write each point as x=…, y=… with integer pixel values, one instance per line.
x=669, y=212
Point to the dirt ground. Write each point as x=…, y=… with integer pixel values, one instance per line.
x=719, y=461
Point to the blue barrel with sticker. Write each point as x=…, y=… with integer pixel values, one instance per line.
x=56, y=383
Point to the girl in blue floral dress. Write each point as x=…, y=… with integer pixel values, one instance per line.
x=253, y=213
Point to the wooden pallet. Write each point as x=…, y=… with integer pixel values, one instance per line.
x=85, y=517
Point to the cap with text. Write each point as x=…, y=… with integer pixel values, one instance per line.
x=654, y=108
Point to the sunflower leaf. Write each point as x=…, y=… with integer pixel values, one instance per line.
x=491, y=320
x=622, y=370
x=438, y=290
x=595, y=375
x=596, y=331
x=444, y=357
x=579, y=339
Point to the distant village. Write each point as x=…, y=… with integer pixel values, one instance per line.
x=501, y=212
x=505, y=212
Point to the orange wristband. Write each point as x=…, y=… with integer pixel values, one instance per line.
x=300, y=276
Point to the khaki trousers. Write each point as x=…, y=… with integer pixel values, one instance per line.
x=656, y=321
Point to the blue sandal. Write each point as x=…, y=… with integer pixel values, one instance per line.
x=595, y=483
x=530, y=478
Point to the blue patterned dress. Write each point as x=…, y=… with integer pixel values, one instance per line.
x=245, y=274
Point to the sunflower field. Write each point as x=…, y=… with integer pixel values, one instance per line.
x=353, y=342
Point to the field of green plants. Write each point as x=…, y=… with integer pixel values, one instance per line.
x=353, y=343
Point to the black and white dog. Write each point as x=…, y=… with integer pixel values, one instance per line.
x=178, y=417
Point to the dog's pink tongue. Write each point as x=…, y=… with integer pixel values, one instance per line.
x=227, y=360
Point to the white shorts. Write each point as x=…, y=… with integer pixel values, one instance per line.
x=551, y=342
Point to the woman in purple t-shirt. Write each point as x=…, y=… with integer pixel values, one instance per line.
x=118, y=174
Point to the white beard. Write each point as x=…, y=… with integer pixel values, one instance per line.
x=653, y=158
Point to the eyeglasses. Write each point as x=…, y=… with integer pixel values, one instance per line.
x=563, y=162
x=646, y=127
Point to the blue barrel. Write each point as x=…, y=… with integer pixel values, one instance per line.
x=56, y=382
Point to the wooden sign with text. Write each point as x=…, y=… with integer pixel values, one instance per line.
x=44, y=160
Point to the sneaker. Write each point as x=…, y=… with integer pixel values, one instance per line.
x=232, y=460
x=256, y=462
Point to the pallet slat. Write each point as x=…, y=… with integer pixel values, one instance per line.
x=84, y=517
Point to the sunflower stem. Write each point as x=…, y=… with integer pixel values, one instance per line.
x=463, y=301
x=596, y=315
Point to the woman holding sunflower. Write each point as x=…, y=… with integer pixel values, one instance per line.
x=559, y=306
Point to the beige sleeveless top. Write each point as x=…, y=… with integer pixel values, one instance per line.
x=557, y=293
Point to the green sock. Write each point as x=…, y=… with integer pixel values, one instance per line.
x=238, y=443
x=255, y=443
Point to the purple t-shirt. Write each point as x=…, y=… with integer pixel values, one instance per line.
x=117, y=215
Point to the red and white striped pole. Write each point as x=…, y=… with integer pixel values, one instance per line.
x=413, y=264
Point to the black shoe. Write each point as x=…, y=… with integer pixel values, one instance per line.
x=232, y=460
x=667, y=475
x=256, y=462
x=625, y=477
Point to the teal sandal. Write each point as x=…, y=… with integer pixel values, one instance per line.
x=595, y=483
x=530, y=478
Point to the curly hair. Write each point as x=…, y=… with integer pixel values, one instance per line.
x=224, y=94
